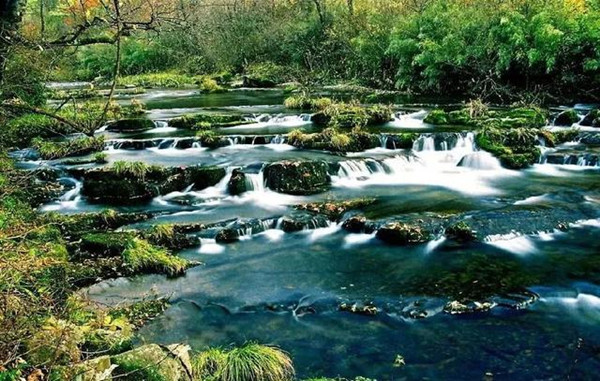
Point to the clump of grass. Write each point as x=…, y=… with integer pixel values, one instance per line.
x=340, y=141
x=169, y=80
x=250, y=362
x=100, y=158
x=135, y=169
x=208, y=364
x=50, y=150
x=142, y=256
x=303, y=102
x=296, y=136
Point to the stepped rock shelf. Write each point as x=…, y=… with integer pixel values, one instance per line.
x=352, y=236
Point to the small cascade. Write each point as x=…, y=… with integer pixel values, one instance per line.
x=74, y=194
x=480, y=160
x=465, y=142
x=278, y=139
x=409, y=120
x=361, y=169
x=424, y=143
x=255, y=182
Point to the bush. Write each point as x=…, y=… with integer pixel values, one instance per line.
x=340, y=142
x=302, y=102
x=136, y=169
x=209, y=85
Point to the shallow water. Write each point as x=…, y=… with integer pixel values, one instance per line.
x=286, y=289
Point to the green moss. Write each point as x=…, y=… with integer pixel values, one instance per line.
x=516, y=148
x=50, y=150
x=566, y=118
x=350, y=115
x=148, y=363
x=336, y=209
x=437, y=117
x=22, y=130
x=140, y=312
x=166, y=80
x=461, y=232
x=141, y=256
x=202, y=121
x=108, y=244
x=131, y=125
x=303, y=102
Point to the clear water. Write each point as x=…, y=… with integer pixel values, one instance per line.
x=286, y=289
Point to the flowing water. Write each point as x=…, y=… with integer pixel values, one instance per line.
x=286, y=288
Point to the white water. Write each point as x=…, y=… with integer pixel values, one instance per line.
x=428, y=167
x=266, y=120
x=513, y=243
x=410, y=121
x=68, y=201
x=210, y=246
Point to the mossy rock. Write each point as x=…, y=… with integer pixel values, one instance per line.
x=131, y=125
x=397, y=233
x=150, y=363
x=109, y=244
x=205, y=120
x=297, y=177
x=437, y=117
x=460, y=232
x=237, y=183
x=460, y=118
x=106, y=185
x=96, y=369
x=566, y=118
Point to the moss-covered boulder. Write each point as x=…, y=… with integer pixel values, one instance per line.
x=299, y=221
x=349, y=115
x=397, y=233
x=131, y=125
x=516, y=148
x=437, y=117
x=237, y=183
x=107, y=244
x=207, y=120
x=153, y=363
x=334, y=210
x=297, y=177
x=566, y=118
x=138, y=183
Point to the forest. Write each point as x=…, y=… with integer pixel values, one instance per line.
x=319, y=190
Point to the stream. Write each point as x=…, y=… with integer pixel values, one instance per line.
x=286, y=289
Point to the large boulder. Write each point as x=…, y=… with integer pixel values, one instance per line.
x=152, y=362
x=297, y=177
x=109, y=186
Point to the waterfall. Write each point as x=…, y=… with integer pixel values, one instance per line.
x=75, y=193
x=424, y=143
x=255, y=182
x=480, y=160
x=278, y=139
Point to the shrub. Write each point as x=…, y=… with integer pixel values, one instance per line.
x=302, y=102
x=209, y=85
x=296, y=136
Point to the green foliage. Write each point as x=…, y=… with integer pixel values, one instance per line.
x=20, y=131
x=209, y=85
x=50, y=150
x=206, y=120
x=436, y=117
x=302, y=102
x=136, y=169
x=158, y=80
x=266, y=74
x=142, y=256
x=246, y=363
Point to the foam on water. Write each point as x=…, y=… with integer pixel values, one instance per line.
x=68, y=201
x=513, y=243
x=354, y=239
x=210, y=246
x=410, y=121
